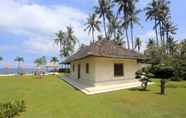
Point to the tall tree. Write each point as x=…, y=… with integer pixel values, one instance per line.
x=60, y=39
x=70, y=42
x=19, y=60
x=40, y=62
x=169, y=28
x=103, y=10
x=133, y=19
x=124, y=9
x=55, y=61
x=170, y=45
x=66, y=41
x=1, y=58
x=152, y=12
x=159, y=11
x=92, y=25
x=138, y=44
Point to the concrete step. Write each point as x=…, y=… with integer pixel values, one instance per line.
x=104, y=89
x=90, y=90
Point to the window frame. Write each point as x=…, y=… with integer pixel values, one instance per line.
x=118, y=69
x=73, y=67
x=87, y=68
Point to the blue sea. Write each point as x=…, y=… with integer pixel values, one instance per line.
x=15, y=70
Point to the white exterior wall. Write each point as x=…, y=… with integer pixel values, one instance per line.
x=85, y=78
x=102, y=69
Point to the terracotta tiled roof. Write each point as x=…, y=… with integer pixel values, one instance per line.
x=103, y=48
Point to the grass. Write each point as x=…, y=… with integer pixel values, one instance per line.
x=53, y=98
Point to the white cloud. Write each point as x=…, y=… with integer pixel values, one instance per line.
x=39, y=23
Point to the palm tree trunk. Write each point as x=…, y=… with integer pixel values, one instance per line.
x=161, y=36
x=138, y=48
x=93, y=35
x=105, y=27
x=156, y=31
x=132, y=36
x=128, y=42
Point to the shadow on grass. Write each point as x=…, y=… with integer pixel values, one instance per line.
x=138, y=89
x=68, y=84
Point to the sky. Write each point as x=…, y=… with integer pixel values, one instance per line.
x=28, y=27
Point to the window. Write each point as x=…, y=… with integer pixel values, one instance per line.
x=73, y=68
x=118, y=70
x=87, y=68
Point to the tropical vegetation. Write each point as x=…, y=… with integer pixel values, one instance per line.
x=19, y=61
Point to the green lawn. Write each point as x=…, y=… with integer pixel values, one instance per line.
x=53, y=98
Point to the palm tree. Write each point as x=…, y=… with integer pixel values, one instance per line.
x=170, y=45
x=133, y=19
x=1, y=58
x=66, y=41
x=60, y=39
x=151, y=43
x=70, y=42
x=92, y=25
x=169, y=28
x=152, y=14
x=19, y=60
x=124, y=8
x=159, y=11
x=138, y=44
x=103, y=10
x=113, y=27
x=54, y=60
x=39, y=63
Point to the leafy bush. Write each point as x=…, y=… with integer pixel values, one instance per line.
x=64, y=70
x=157, y=71
x=146, y=71
x=11, y=109
x=162, y=71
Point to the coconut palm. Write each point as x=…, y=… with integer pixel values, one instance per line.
x=158, y=10
x=152, y=12
x=169, y=28
x=19, y=60
x=92, y=25
x=151, y=43
x=113, y=27
x=70, y=42
x=55, y=61
x=124, y=9
x=60, y=39
x=103, y=10
x=1, y=58
x=133, y=19
x=138, y=44
x=170, y=45
x=39, y=63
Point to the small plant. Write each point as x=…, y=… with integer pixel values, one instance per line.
x=144, y=78
x=11, y=109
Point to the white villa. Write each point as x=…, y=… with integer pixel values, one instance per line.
x=103, y=66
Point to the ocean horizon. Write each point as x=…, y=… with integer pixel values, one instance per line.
x=15, y=70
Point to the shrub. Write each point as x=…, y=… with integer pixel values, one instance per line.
x=11, y=109
x=145, y=70
x=157, y=71
x=162, y=71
